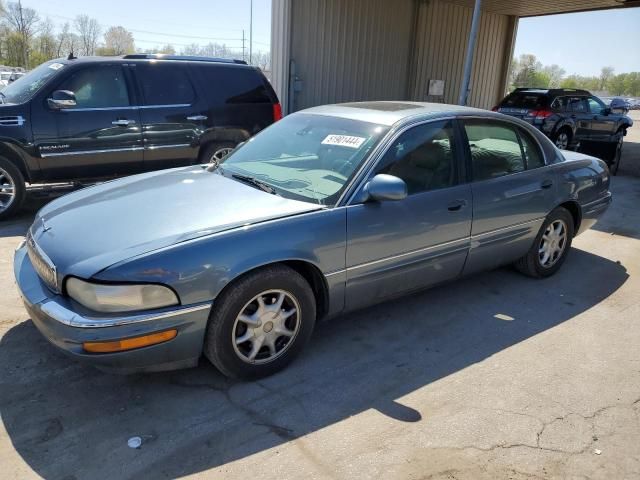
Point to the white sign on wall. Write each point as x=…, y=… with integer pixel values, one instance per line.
x=436, y=88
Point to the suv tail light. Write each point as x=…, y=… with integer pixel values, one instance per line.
x=495, y=109
x=541, y=114
x=277, y=112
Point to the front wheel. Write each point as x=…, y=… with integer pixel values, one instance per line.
x=551, y=246
x=615, y=155
x=260, y=323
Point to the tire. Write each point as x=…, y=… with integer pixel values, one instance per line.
x=532, y=264
x=12, y=189
x=224, y=345
x=614, y=154
x=562, y=137
x=215, y=152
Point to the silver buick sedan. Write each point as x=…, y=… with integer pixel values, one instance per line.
x=331, y=209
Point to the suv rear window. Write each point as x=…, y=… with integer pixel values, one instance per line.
x=230, y=84
x=525, y=100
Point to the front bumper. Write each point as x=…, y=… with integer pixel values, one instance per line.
x=66, y=325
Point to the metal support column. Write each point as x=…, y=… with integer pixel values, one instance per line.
x=468, y=61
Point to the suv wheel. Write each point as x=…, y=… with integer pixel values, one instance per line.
x=12, y=188
x=562, y=139
x=615, y=154
x=260, y=323
x=216, y=152
x=551, y=246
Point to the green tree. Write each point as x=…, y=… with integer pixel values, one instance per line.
x=616, y=84
x=632, y=84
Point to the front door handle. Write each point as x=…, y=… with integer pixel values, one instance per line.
x=123, y=122
x=546, y=183
x=456, y=205
x=197, y=117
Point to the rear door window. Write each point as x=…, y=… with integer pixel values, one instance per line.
x=165, y=84
x=234, y=84
x=495, y=149
x=577, y=105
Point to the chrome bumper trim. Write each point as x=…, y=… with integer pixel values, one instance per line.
x=63, y=315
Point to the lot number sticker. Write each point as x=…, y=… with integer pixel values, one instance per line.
x=344, y=141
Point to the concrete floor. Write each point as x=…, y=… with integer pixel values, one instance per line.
x=438, y=385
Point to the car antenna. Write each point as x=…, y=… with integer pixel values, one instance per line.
x=71, y=56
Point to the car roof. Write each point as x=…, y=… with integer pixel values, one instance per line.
x=153, y=57
x=392, y=112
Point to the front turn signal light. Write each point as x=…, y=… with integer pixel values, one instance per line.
x=129, y=343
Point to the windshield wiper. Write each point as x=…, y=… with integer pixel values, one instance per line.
x=265, y=187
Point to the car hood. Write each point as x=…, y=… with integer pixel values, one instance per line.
x=89, y=230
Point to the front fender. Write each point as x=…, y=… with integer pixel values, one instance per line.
x=198, y=270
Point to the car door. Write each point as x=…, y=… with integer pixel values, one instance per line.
x=172, y=113
x=512, y=191
x=394, y=247
x=98, y=136
x=602, y=124
x=579, y=112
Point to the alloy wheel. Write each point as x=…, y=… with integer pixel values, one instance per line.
x=552, y=243
x=220, y=154
x=7, y=190
x=562, y=141
x=266, y=326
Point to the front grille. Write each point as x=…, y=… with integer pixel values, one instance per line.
x=45, y=269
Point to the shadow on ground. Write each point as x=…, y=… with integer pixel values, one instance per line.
x=68, y=421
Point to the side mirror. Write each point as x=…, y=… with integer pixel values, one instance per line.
x=384, y=187
x=606, y=111
x=62, y=99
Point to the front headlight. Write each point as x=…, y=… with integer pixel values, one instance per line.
x=120, y=298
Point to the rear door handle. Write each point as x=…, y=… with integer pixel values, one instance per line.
x=546, y=183
x=197, y=117
x=456, y=205
x=123, y=122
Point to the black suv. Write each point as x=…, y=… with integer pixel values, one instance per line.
x=572, y=119
x=82, y=119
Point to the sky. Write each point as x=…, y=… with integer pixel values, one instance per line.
x=583, y=43
x=180, y=23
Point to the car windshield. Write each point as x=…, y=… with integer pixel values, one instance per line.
x=305, y=157
x=27, y=85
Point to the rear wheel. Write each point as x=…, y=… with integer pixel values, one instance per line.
x=562, y=139
x=260, y=323
x=214, y=153
x=12, y=189
x=551, y=246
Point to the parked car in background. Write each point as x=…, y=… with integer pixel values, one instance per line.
x=572, y=119
x=4, y=78
x=99, y=117
x=15, y=76
x=331, y=209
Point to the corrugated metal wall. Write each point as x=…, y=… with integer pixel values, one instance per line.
x=441, y=39
x=349, y=50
